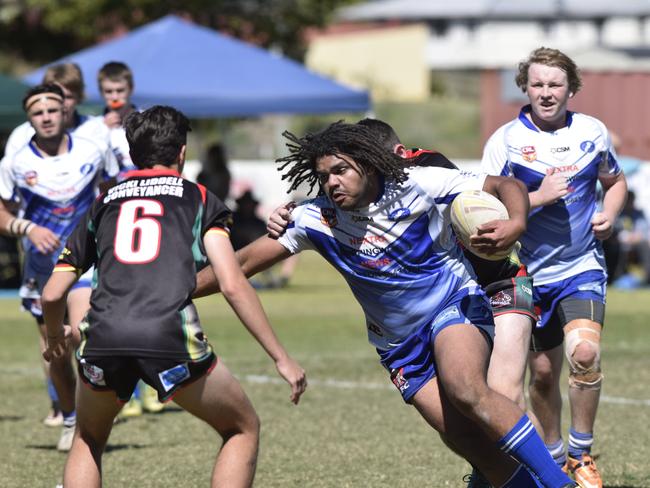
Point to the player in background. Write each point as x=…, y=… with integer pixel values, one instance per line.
x=142, y=323
x=115, y=81
x=561, y=155
x=386, y=230
x=68, y=76
x=506, y=283
x=50, y=183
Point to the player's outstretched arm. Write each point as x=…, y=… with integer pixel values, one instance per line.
x=499, y=235
x=258, y=256
x=53, y=300
x=244, y=301
x=615, y=187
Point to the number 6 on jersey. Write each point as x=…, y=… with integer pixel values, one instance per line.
x=137, y=236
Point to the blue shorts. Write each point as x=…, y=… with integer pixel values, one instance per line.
x=412, y=364
x=558, y=303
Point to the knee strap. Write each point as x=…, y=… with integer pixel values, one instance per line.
x=577, y=332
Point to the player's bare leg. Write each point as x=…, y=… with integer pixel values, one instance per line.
x=584, y=384
x=466, y=382
x=461, y=435
x=509, y=358
x=462, y=355
x=544, y=391
x=219, y=400
x=95, y=414
x=62, y=370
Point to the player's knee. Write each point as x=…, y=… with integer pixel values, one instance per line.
x=542, y=379
x=584, y=371
x=583, y=354
x=467, y=397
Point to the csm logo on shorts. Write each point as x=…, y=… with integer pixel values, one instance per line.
x=173, y=376
x=93, y=373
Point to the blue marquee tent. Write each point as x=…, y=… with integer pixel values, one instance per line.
x=206, y=74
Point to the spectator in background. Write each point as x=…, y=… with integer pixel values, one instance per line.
x=215, y=175
x=115, y=82
x=247, y=226
x=632, y=237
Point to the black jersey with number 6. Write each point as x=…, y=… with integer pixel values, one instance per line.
x=145, y=238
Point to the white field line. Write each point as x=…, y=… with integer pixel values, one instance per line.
x=328, y=383
x=352, y=385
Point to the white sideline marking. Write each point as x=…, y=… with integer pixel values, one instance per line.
x=349, y=385
x=329, y=382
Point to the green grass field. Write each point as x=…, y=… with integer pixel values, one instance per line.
x=351, y=428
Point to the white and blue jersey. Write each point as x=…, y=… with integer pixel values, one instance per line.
x=116, y=137
x=54, y=192
x=559, y=242
x=85, y=126
x=398, y=255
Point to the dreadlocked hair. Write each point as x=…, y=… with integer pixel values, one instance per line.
x=353, y=140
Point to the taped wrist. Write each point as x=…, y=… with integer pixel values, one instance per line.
x=19, y=227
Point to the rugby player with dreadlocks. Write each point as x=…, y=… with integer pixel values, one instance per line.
x=386, y=230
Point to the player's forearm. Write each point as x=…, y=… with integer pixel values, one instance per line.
x=12, y=226
x=514, y=195
x=53, y=301
x=245, y=302
x=615, y=197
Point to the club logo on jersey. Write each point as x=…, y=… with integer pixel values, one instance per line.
x=397, y=377
x=587, y=146
x=93, y=373
x=31, y=178
x=501, y=299
x=399, y=214
x=528, y=153
x=86, y=168
x=328, y=217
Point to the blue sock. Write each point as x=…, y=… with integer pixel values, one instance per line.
x=51, y=391
x=557, y=452
x=523, y=444
x=579, y=442
x=522, y=478
x=69, y=418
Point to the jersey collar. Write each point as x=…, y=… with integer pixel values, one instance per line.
x=149, y=172
x=526, y=109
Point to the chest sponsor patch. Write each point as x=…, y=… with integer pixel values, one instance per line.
x=31, y=178
x=328, y=217
x=528, y=153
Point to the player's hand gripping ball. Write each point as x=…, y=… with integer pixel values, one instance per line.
x=469, y=210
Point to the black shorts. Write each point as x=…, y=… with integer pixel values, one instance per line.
x=552, y=334
x=512, y=295
x=121, y=373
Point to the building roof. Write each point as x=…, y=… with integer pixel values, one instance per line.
x=410, y=10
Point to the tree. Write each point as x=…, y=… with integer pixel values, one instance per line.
x=42, y=30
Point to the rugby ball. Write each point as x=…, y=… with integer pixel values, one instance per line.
x=472, y=208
